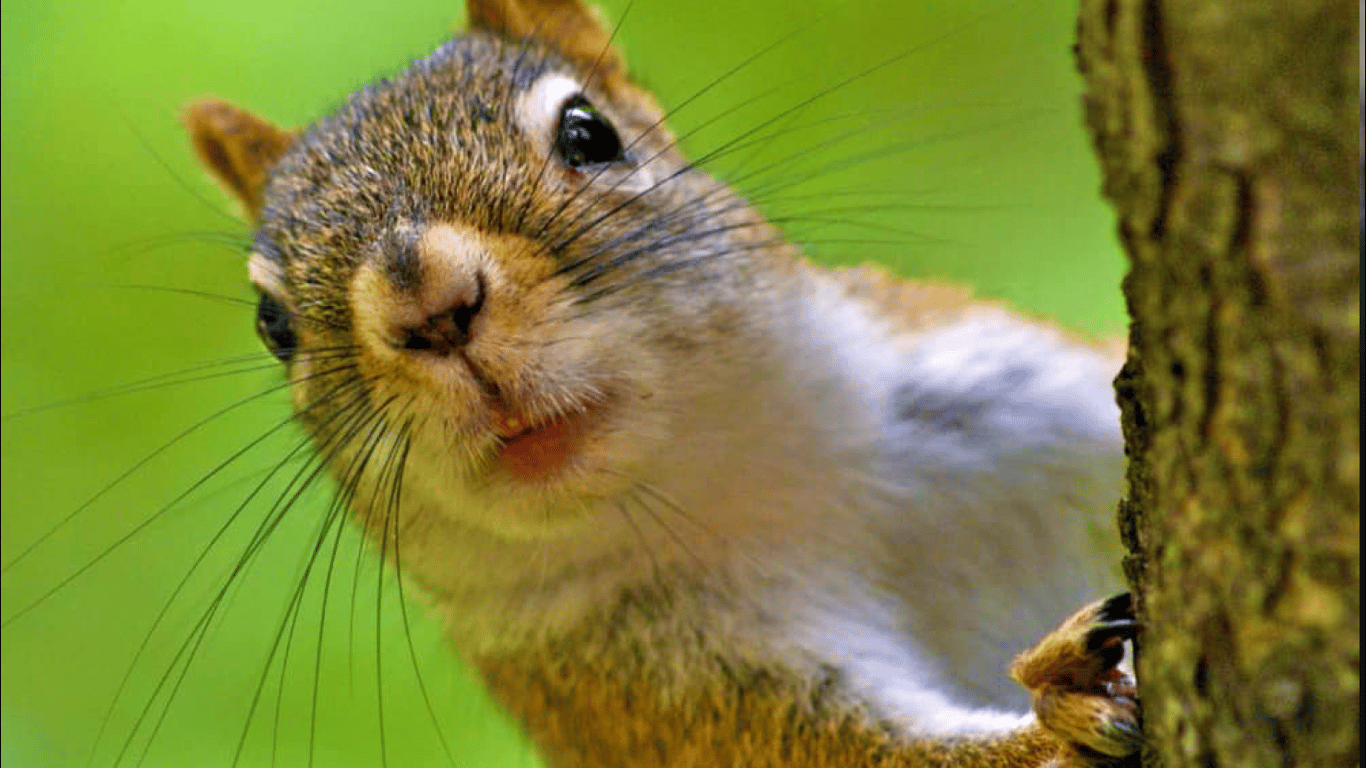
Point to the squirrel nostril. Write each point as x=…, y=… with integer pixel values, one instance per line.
x=448, y=330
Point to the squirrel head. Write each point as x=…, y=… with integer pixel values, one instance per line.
x=497, y=266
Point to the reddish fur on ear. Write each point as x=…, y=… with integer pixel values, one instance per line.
x=238, y=147
x=571, y=28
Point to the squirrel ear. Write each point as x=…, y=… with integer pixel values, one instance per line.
x=238, y=147
x=571, y=28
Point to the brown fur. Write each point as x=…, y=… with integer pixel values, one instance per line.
x=593, y=700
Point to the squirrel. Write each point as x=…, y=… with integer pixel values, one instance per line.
x=680, y=496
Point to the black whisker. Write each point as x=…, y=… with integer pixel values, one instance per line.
x=165, y=166
x=154, y=516
x=234, y=242
x=188, y=649
x=183, y=291
x=154, y=382
x=333, y=442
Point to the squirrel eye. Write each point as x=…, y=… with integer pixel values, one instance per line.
x=585, y=137
x=273, y=326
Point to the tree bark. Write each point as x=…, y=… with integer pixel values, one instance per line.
x=1229, y=132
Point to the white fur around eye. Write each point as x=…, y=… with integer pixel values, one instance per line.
x=538, y=115
x=538, y=109
x=267, y=276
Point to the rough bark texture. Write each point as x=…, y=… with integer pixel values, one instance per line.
x=1229, y=134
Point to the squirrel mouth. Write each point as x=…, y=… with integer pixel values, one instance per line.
x=537, y=450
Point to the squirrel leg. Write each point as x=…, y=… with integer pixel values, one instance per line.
x=1086, y=713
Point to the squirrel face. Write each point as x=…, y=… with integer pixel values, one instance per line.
x=444, y=260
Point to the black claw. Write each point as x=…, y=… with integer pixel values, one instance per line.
x=1120, y=606
x=1105, y=631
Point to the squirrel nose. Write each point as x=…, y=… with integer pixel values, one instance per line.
x=449, y=330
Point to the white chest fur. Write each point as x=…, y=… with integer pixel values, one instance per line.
x=909, y=508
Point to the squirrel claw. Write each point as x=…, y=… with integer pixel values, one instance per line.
x=1080, y=693
x=1121, y=606
x=1102, y=633
x=1106, y=640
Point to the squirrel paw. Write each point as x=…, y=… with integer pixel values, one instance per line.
x=1080, y=693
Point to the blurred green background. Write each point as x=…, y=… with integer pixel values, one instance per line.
x=941, y=138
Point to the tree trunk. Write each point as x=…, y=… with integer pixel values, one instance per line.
x=1230, y=138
